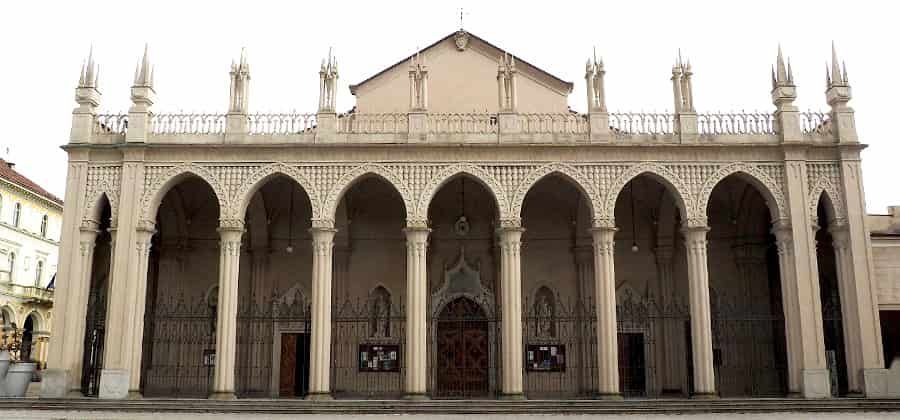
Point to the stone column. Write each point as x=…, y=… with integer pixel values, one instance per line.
x=72, y=350
x=416, y=311
x=605, y=297
x=786, y=260
x=230, y=232
x=320, y=341
x=511, y=305
x=859, y=381
x=701, y=330
x=671, y=346
x=143, y=237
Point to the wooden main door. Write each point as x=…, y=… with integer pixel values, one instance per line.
x=463, y=350
x=294, y=375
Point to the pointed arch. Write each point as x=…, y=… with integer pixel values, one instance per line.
x=264, y=174
x=161, y=185
x=338, y=189
x=825, y=189
x=477, y=173
x=8, y=316
x=676, y=187
x=567, y=172
x=37, y=320
x=770, y=190
x=94, y=205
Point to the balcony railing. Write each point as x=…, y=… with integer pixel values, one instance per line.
x=260, y=124
x=33, y=293
x=554, y=123
x=187, y=124
x=736, y=123
x=814, y=122
x=373, y=124
x=642, y=123
x=536, y=126
x=462, y=123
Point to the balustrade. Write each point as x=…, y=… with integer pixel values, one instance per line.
x=554, y=124
x=462, y=123
x=815, y=122
x=292, y=123
x=394, y=123
x=642, y=123
x=736, y=123
x=110, y=124
x=187, y=124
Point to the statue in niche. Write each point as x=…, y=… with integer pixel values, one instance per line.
x=545, y=312
x=380, y=313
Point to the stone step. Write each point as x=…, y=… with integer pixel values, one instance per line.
x=297, y=406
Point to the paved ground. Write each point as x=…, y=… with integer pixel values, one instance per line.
x=87, y=415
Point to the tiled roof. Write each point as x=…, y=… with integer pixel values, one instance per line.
x=11, y=175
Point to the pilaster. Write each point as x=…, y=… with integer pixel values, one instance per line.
x=416, y=312
x=511, y=304
x=61, y=362
x=126, y=282
x=803, y=278
x=862, y=325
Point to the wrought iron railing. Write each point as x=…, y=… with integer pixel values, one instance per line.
x=284, y=123
x=736, y=123
x=642, y=123
x=462, y=123
x=815, y=122
x=554, y=123
x=187, y=123
x=393, y=123
x=110, y=123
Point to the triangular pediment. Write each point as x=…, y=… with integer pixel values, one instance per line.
x=462, y=70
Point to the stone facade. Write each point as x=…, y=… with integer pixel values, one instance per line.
x=30, y=222
x=493, y=242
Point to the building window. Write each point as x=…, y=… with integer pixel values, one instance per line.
x=44, y=221
x=17, y=214
x=38, y=272
x=12, y=266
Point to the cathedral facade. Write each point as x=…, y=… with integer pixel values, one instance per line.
x=462, y=234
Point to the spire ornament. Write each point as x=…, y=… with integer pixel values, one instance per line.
x=328, y=76
x=594, y=72
x=418, y=83
x=506, y=83
x=240, y=85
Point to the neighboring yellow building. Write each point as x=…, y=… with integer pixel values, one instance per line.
x=30, y=220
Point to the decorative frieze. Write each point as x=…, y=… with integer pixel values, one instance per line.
x=417, y=183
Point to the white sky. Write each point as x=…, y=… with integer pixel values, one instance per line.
x=731, y=46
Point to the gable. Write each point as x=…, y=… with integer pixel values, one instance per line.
x=461, y=80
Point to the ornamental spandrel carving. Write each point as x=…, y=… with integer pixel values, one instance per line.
x=158, y=177
x=582, y=182
x=102, y=180
x=769, y=187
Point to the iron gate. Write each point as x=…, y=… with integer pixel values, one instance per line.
x=94, y=335
x=466, y=343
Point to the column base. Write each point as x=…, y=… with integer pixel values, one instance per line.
x=416, y=397
x=319, y=396
x=55, y=383
x=223, y=396
x=610, y=396
x=520, y=396
x=882, y=383
x=794, y=394
x=135, y=395
x=705, y=396
x=114, y=384
x=816, y=383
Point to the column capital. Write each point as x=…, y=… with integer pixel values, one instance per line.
x=604, y=222
x=90, y=226
x=323, y=235
x=510, y=235
x=511, y=223
x=231, y=225
x=146, y=225
x=416, y=235
x=322, y=224
x=416, y=223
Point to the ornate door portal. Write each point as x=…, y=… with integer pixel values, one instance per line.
x=463, y=351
